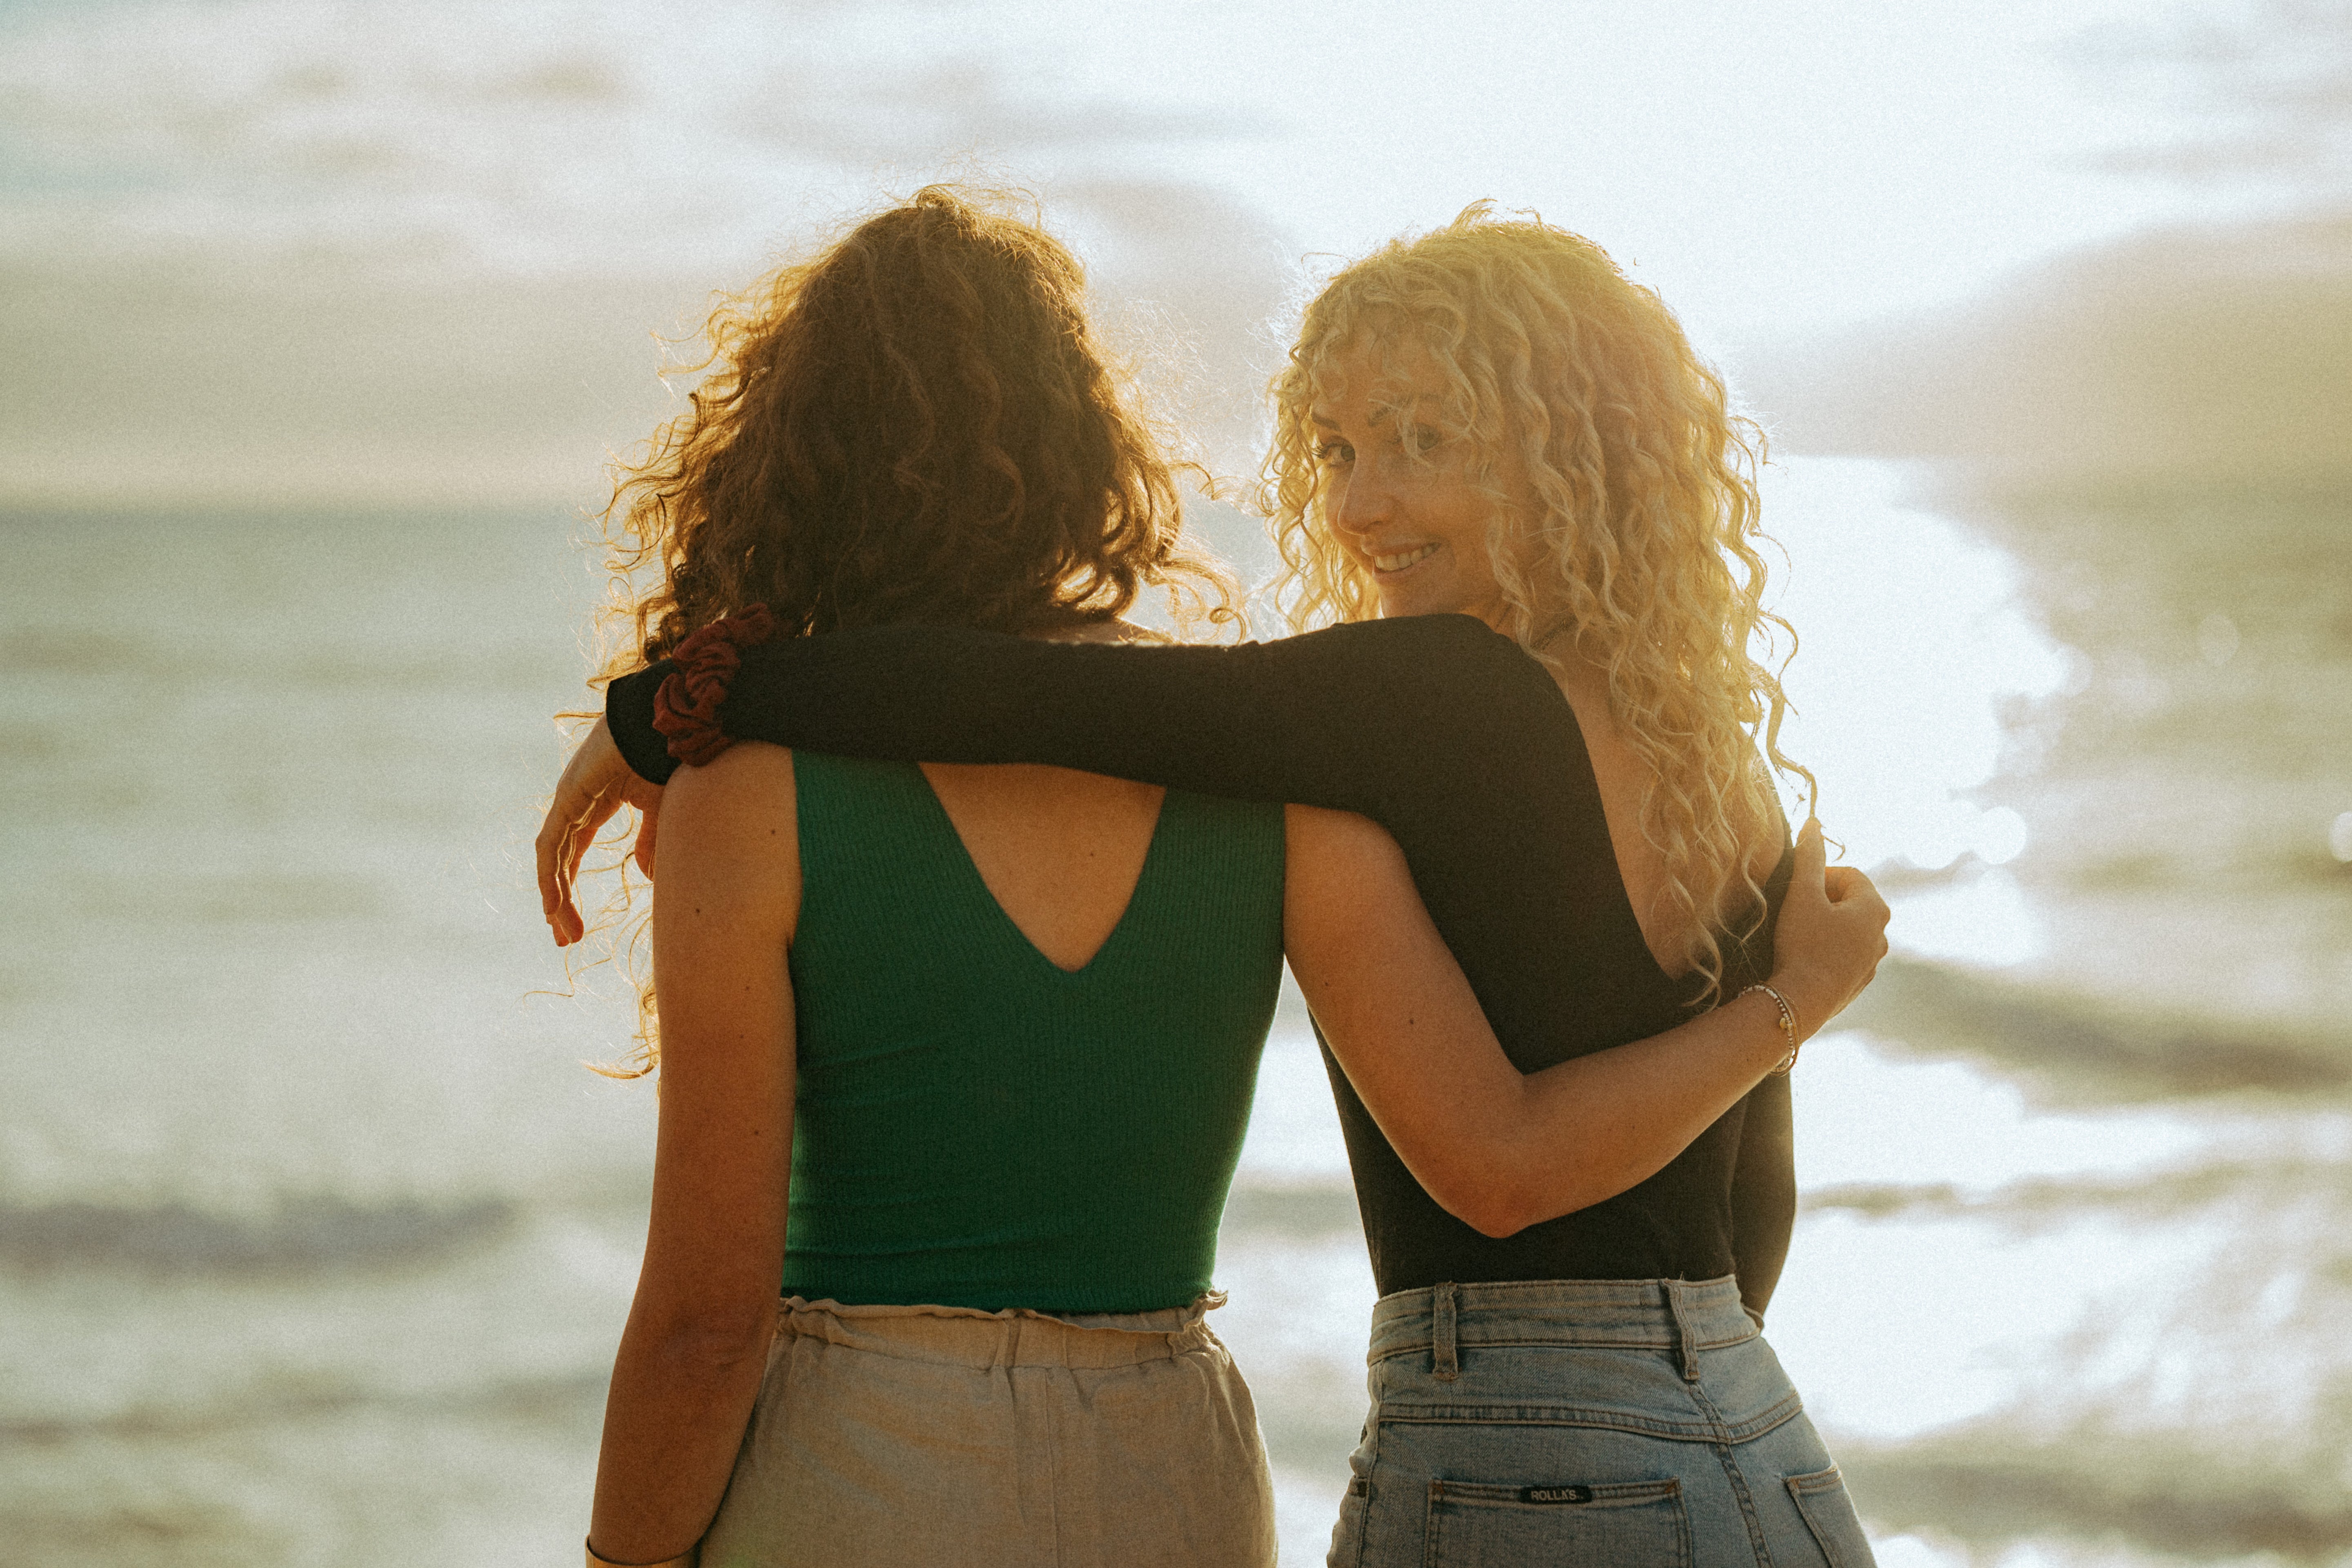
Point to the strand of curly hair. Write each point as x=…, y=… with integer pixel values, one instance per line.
x=1637, y=549
x=916, y=425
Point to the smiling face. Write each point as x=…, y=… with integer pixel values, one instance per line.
x=1399, y=486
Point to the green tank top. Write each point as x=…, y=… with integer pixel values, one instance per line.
x=974, y=1127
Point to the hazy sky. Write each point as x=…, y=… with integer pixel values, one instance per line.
x=379, y=246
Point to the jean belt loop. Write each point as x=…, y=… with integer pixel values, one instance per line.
x=1685, y=1341
x=1444, y=1366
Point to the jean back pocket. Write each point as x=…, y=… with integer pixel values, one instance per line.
x=1829, y=1514
x=1612, y=1524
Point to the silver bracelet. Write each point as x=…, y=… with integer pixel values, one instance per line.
x=1788, y=1027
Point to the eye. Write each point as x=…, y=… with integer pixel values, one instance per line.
x=1424, y=440
x=1332, y=454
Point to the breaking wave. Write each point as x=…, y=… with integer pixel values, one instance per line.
x=553, y=1397
x=1990, y=1486
x=2079, y=1048
x=2047, y=1200
x=302, y=1234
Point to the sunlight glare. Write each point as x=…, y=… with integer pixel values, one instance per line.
x=1914, y=643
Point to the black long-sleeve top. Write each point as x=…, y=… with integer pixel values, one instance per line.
x=1449, y=736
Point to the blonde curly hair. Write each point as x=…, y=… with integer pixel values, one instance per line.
x=1633, y=545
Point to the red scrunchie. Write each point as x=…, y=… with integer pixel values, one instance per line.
x=686, y=709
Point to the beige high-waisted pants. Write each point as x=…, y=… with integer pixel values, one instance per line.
x=931, y=1436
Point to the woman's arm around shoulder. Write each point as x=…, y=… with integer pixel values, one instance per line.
x=1359, y=717
x=696, y=1346
x=1498, y=1148
x=1293, y=718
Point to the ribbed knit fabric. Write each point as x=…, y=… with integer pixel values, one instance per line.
x=978, y=1128
x=1445, y=734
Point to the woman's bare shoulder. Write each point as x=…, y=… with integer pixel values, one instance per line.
x=746, y=767
x=741, y=802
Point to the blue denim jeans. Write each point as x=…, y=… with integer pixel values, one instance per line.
x=1632, y=1423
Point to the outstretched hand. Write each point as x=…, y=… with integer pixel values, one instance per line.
x=1831, y=934
x=596, y=782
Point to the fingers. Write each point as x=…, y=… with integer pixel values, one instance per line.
x=1856, y=897
x=558, y=852
x=1832, y=931
x=595, y=783
x=1809, y=853
x=544, y=851
x=570, y=926
x=561, y=845
x=1850, y=887
x=1805, y=881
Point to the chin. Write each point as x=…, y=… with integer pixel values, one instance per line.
x=1393, y=605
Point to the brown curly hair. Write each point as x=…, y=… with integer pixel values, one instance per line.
x=917, y=425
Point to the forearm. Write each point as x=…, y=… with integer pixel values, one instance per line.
x=1314, y=718
x=674, y=1417
x=1246, y=722
x=1582, y=1131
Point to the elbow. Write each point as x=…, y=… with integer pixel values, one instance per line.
x=722, y=1342
x=1497, y=1207
x=711, y=1336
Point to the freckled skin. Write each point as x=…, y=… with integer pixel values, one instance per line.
x=1389, y=502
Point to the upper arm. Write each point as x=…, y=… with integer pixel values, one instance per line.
x=724, y=910
x=1392, y=1002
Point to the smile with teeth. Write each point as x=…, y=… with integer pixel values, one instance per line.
x=1403, y=558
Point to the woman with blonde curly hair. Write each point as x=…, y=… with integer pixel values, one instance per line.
x=1500, y=468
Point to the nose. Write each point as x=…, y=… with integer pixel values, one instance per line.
x=1364, y=498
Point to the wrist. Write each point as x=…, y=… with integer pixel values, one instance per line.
x=1809, y=997
x=686, y=1559
x=1779, y=1035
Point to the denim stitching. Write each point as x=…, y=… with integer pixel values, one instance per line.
x=1727, y=1456
x=1687, y=1348
x=1545, y=1341
x=1588, y=1416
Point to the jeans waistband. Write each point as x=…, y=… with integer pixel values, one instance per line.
x=1681, y=1315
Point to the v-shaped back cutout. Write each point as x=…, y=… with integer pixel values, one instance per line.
x=1672, y=968
x=1069, y=902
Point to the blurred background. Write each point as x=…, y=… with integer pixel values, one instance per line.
x=320, y=322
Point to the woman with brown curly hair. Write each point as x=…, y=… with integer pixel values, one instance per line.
x=987, y=1035
x=997, y=1024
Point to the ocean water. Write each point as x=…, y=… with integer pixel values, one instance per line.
x=316, y=1237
